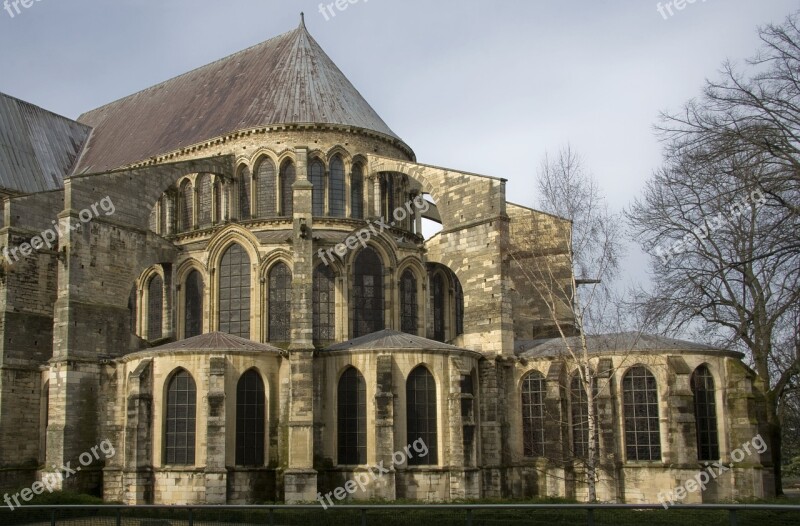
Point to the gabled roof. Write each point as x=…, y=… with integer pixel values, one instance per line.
x=37, y=148
x=216, y=341
x=387, y=340
x=286, y=80
x=614, y=343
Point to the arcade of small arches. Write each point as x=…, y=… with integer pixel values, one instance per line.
x=263, y=190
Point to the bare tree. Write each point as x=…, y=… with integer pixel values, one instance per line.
x=721, y=216
x=568, y=272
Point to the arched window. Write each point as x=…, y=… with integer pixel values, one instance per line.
x=266, y=188
x=324, y=305
x=179, y=438
x=357, y=192
x=186, y=206
x=533, y=395
x=155, y=307
x=705, y=414
x=368, y=294
x=288, y=176
x=421, y=414
x=459, y=308
x=317, y=177
x=579, y=409
x=204, y=200
x=250, y=420
x=408, y=303
x=438, y=291
x=234, y=292
x=245, y=184
x=336, y=191
x=193, y=305
x=640, y=401
x=280, y=303
x=351, y=415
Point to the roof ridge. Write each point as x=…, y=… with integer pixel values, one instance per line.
x=189, y=72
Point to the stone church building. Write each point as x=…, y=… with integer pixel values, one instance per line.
x=242, y=301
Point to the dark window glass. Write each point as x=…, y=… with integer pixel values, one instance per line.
x=193, y=320
x=266, y=188
x=579, y=407
x=438, y=291
x=250, y=421
x=280, y=303
x=705, y=414
x=336, y=192
x=234, y=292
x=132, y=311
x=179, y=439
x=218, y=212
x=640, y=400
x=459, y=308
x=368, y=294
x=324, y=304
x=245, y=185
x=317, y=177
x=357, y=192
x=155, y=307
x=421, y=415
x=388, y=196
x=186, y=205
x=204, y=198
x=408, y=303
x=351, y=414
x=288, y=176
x=533, y=395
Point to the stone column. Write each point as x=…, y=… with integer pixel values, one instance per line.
x=385, y=487
x=169, y=214
x=216, y=476
x=138, y=453
x=300, y=478
x=456, y=431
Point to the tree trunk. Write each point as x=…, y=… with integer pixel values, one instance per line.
x=774, y=429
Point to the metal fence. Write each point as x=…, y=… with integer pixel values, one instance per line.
x=402, y=515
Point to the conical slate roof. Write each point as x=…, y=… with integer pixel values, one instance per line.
x=392, y=340
x=217, y=341
x=286, y=80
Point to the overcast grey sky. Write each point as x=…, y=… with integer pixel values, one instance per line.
x=486, y=87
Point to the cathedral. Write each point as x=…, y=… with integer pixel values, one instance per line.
x=225, y=276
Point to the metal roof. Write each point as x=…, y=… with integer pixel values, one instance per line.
x=37, y=148
x=612, y=343
x=392, y=340
x=286, y=80
x=216, y=341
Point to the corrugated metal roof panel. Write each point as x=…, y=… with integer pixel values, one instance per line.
x=37, y=148
x=286, y=80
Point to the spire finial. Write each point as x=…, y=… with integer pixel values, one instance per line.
x=302, y=19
